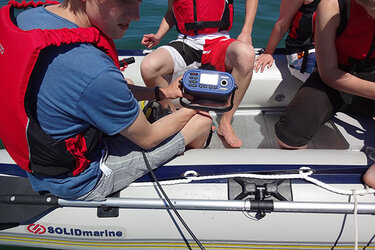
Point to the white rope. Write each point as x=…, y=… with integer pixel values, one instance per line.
x=303, y=173
x=321, y=184
x=192, y=175
x=355, y=213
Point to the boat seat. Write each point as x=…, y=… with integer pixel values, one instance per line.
x=274, y=88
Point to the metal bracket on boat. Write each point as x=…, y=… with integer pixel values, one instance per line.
x=105, y=211
x=258, y=190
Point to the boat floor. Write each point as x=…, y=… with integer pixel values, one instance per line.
x=262, y=105
x=256, y=129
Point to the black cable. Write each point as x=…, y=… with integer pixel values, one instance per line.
x=171, y=205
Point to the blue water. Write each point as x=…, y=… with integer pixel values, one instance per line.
x=152, y=11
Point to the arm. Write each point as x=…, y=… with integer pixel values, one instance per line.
x=250, y=12
x=288, y=9
x=144, y=93
x=327, y=21
x=148, y=135
x=151, y=40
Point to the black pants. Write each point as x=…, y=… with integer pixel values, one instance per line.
x=313, y=105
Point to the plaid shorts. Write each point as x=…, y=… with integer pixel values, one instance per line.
x=123, y=163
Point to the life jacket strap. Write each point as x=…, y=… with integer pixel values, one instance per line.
x=207, y=24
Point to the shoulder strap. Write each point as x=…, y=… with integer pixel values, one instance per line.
x=66, y=36
x=24, y=4
x=81, y=35
x=344, y=6
x=372, y=48
x=199, y=25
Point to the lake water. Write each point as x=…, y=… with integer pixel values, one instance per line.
x=152, y=12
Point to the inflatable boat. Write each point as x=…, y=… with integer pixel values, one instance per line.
x=256, y=197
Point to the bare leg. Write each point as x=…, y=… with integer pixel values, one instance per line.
x=196, y=131
x=130, y=81
x=239, y=59
x=286, y=146
x=153, y=67
x=369, y=176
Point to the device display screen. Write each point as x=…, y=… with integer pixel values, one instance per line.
x=210, y=79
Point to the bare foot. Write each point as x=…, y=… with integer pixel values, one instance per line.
x=230, y=139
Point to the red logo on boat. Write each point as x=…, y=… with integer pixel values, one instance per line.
x=36, y=229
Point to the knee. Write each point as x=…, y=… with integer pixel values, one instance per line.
x=369, y=176
x=149, y=67
x=205, y=121
x=243, y=57
x=290, y=133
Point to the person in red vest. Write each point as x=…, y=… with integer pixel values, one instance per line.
x=298, y=18
x=345, y=53
x=84, y=130
x=203, y=42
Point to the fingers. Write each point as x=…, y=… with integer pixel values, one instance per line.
x=263, y=61
x=150, y=45
x=174, y=90
x=148, y=40
x=177, y=82
x=263, y=67
x=147, y=43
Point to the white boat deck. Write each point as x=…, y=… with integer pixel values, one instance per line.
x=269, y=93
x=256, y=129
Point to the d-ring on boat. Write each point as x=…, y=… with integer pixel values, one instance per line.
x=255, y=197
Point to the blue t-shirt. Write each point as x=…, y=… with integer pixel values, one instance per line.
x=73, y=87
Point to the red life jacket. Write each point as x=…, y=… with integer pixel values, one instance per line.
x=355, y=40
x=194, y=17
x=25, y=141
x=301, y=31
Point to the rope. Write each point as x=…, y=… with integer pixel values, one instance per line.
x=354, y=193
x=192, y=175
x=303, y=173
